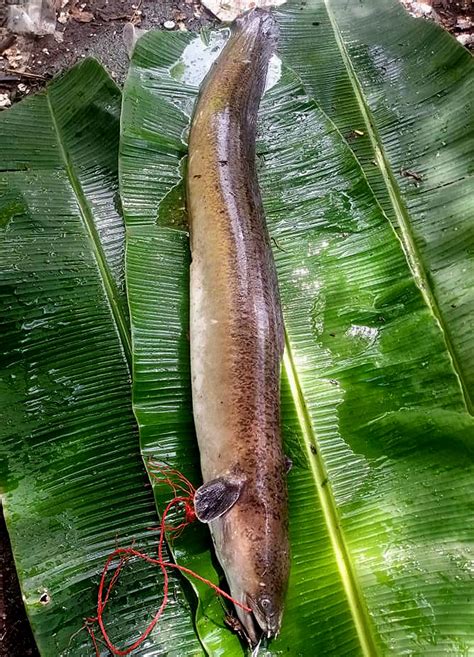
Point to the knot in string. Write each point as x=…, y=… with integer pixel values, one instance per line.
x=183, y=501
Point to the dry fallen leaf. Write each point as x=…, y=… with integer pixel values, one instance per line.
x=228, y=10
x=81, y=16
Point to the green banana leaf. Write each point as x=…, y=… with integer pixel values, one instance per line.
x=374, y=417
x=73, y=482
x=408, y=86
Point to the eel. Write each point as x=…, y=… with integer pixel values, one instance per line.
x=236, y=333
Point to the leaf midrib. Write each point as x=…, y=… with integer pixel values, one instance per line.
x=110, y=287
x=351, y=586
x=406, y=237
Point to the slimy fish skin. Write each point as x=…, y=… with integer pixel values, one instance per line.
x=236, y=333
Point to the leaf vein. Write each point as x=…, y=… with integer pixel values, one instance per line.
x=351, y=586
x=110, y=287
x=406, y=236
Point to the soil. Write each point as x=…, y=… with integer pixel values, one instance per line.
x=95, y=29
x=16, y=639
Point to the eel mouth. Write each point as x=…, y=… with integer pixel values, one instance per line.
x=252, y=629
x=260, y=623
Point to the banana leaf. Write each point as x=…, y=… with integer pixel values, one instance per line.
x=73, y=481
x=374, y=417
x=401, y=91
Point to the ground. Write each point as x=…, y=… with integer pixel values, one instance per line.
x=16, y=639
x=95, y=28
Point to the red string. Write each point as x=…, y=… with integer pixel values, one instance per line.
x=184, y=498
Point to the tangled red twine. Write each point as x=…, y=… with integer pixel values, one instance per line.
x=184, y=499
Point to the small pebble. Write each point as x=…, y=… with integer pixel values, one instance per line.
x=169, y=25
x=463, y=23
x=423, y=7
x=5, y=100
x=465, y=39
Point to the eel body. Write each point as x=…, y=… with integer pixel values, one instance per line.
x=236, y=333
